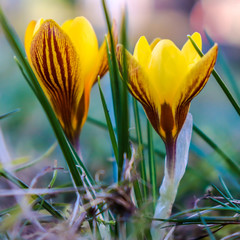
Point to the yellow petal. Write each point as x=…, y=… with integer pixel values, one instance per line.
x=57, y=66
x=198, y=76
x=32, y=28
x=28, y=37
x=140, y=87
x=189, y=51
x=83, y=108
x=85, y=41
x=167, y=69
x=142, y=52
x=99, y=70
x=194, y=82
x=38, y=24
x=66, y=25
x=154, y=43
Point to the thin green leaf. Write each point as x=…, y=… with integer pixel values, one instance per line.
x=9, y=113
x=194, y=210
x=138, y=193
x=89, y=181
x=54, y=177
x=120, y=100
x=232, y=165
x=112, y=73
x=197, y=220
x=33, y=162
x=9, y=210
x=113, y=69
x=219, y=202
x=123, y=134
x=103, y=125
x=207, y=228
x=225, y=188
x=21, y=68
x=152, y=164
x=219, y=81
x=140, y=148
x=54, y=212
x=226, y=68
x=109, y=123
x=224, y=196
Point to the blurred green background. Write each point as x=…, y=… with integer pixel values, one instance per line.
x=28, y=132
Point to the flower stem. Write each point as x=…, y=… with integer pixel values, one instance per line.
x=171, y=156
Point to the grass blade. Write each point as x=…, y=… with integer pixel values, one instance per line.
x=103, y=125
x=21, y=184
x=123, y=127
x=138, y=193
x=224, y=196
x=140, y=148
x=219, y=81
x=152, y=164
x=119, y=94
x=225, y=188
x=113, y=69
x=226, y=69
x=232, y=165
x=219, y=202
x=54, y=177
x=9, y=113
x=31, y=163
x=109, y=123
x=207, y=228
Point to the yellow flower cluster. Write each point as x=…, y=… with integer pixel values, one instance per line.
x=163, y=78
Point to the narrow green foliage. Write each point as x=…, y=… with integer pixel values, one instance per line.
x=140, y=148
x=9, y=113
x=112, y=77
x=114, y=73
x=197, y=210
x=226, y=91
x=138, y=193
x=97, y=123
x=219, y=81
x=197, y=220
x=54, y=177
x=152, y=164
x=226, y=188
x=207, y=229
x=119, y=94
x=113, y=69
x=21, y=68
x=83, y=170
x=224, y=196
x=8, y=210
x=104, y=126
x=31, y=163
x=123, y=134
x=39, y=199
x=226, y=69
x=219, y=202
x=231, y=164
x=109, y=123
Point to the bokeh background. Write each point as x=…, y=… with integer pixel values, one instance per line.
x=28, y=132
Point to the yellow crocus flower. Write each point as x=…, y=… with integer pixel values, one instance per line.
x=165, y=79
x=66, y=60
